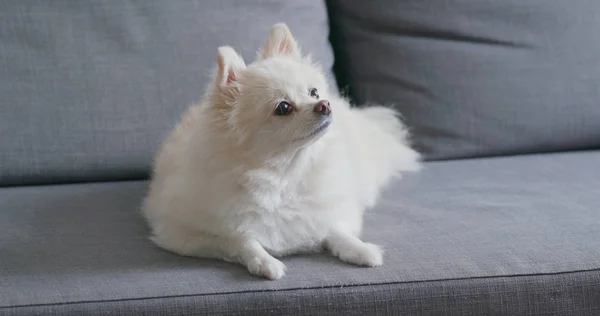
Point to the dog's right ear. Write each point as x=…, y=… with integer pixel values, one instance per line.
x=229, y=70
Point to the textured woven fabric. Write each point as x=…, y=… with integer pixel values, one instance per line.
x=89, y=88
x=576, y=294
x=460, y=236
x=476, y=77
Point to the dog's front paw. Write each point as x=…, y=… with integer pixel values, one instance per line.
x=365, y=254
x=267, y=267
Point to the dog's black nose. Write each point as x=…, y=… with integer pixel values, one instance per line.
x=323, y=107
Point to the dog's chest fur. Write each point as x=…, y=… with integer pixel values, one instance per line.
x=293, y=213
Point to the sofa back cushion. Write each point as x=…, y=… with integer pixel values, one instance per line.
x=89, y=88
x=476, y=77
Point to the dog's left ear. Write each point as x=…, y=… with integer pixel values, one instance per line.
x=280, y=42
x=230, y=65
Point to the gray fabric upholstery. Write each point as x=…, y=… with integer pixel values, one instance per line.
x=473, y=77
x=561, y=294
x=515, y=235
x=88, y=88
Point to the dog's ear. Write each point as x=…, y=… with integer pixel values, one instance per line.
x=280, y=42
x=230, y=65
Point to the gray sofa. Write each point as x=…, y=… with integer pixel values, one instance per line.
x=503, y=98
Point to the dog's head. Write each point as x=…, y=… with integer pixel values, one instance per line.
x=277, y=103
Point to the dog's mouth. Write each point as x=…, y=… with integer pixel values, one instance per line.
x=320, y=129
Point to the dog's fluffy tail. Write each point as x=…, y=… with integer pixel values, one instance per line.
x=389, y=141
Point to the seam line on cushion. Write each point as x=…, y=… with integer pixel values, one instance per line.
x=300, y=288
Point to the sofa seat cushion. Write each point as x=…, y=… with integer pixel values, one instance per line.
x=496, y=235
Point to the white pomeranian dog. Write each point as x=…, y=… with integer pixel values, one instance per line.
x=270, y=164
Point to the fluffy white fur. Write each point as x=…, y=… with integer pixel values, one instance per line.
x=236, y=182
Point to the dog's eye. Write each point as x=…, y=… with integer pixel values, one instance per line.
x=314, y=93
x=283, y=109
